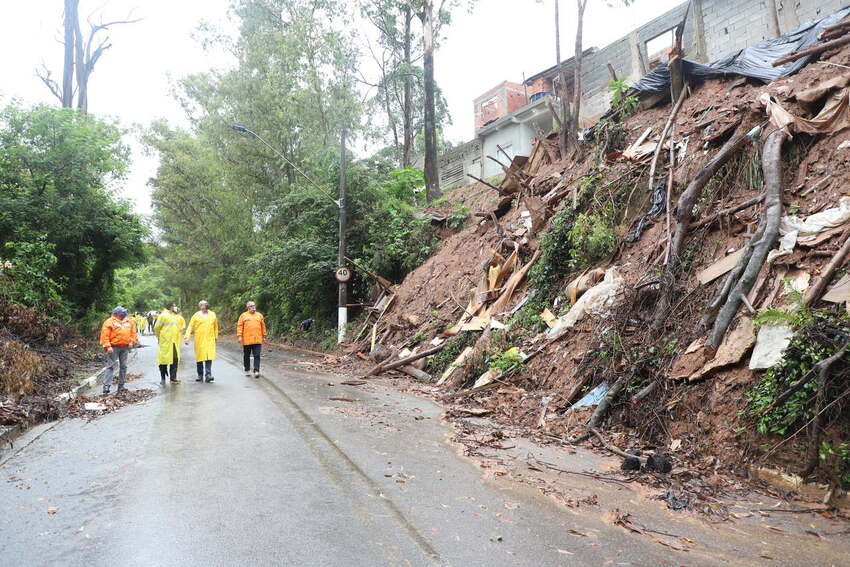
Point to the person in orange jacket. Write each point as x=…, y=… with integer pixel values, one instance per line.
x=251, y=330
x=117, y=335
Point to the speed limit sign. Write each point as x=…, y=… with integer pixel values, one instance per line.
x=342, y=274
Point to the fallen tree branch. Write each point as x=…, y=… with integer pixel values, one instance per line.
x=772, y=167
x=835, y=30
x=414, y=372
x=387, y=365
x=816, y=291
x=654, y=165
x=812, y=50
x=726, y=212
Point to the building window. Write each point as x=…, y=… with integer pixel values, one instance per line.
x=658, y=48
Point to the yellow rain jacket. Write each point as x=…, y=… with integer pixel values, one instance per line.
x=205, y=329
x=168, y=329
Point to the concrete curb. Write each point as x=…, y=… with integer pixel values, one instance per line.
x=92, y=380
x=9, y=434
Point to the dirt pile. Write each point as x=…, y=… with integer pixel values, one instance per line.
x=628, y=289
x=92, y=407
x=38, y=361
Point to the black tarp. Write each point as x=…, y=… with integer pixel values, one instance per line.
x=755, y=62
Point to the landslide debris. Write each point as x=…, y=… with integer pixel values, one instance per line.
x=39, y=360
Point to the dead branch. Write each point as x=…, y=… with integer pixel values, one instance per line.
x=654, y=165
x=609, y=448
x=816, y=291
x=414, y=372
x=812, y=50
x=726, y=212
x=490, y=185
x=835, y=30
x=46, y=77
x=383, y=367
x=772, y=167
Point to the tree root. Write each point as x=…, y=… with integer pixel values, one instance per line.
x=772, y=167
x=684, y=216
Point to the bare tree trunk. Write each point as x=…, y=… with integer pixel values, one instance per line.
x=407, y=109
x=772, y=167
x=562, y=74
x=432, y=173
x=572, y=131
x=80, y=63
x=71, y=8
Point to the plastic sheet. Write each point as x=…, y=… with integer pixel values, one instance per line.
x=793, y=229
x=596, y=300
x=755, y=61
x=657, y=205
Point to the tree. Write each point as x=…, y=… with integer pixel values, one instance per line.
x=570, y=116
x=432, y=173
x=56, y=167
x=80, y=56
x=400, y=85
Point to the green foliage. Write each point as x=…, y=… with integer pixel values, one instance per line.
x=506, y=360
x=623, y=103
x=57, y=210
x=797, y=317
x=146, y=286
x=24, y=272
x=837, y=457
x=403, y=182
x=438, y=362
x=819, y=339
x=592, y=239
x=458, y=217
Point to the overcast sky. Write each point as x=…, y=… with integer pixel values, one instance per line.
x=500, y=40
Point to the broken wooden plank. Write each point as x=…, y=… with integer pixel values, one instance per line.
x=720, y=267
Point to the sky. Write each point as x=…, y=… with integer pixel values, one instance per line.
x=498, y=40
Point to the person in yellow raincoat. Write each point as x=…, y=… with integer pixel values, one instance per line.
x=141, y=323
x=168, y=330
x=204, y=325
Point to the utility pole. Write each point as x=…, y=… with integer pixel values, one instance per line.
x=343, y=221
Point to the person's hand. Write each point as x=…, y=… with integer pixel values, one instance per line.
x=185, y=341
x=109, y=350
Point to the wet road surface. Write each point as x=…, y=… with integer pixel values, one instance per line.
x=270, y=471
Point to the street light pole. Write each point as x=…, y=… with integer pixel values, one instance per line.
x=342, y=313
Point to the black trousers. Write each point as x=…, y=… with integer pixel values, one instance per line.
x=247, y=351
x=164, y=368
x=204, y=368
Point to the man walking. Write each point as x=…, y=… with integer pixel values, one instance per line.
x=204, y=325
x=117, y=336
x=168, y=329
x=251, y=330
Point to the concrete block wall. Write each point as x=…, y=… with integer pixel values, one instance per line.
x=727, y=26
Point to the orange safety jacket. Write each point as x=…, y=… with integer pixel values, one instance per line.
x=251, y=328
x=118, y=332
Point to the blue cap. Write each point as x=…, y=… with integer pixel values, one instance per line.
x=119, y=309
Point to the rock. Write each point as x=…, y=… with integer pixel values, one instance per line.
x=658, y=463
x=631, y=463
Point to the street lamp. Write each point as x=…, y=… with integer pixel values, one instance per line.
x=342, y=310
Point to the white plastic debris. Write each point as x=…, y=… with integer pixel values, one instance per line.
x=596, y=300
x=94, y=406
x=771, y=342
x=794, y=230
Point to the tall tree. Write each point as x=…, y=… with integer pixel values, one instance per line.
x=432, y=172
x=81, y=54
x=399, y=86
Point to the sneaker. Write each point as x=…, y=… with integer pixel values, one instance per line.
x=120, y=389
x=247, y=372
x=210, y=378
x=199, y=379
x=256, y=373
x=175, y=381
x=162, y=380
x=106, y=389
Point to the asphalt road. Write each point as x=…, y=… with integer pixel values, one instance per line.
x=270, y=471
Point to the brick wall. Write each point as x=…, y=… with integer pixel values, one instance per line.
x=499, y=101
